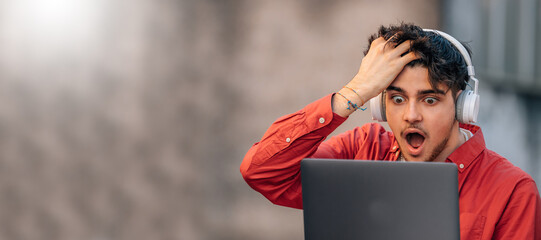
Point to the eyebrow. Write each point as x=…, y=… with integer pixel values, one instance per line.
x=420, y=92
x=393, y=88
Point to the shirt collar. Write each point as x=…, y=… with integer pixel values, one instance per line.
x=466, y=153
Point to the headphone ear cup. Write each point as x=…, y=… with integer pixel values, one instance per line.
x=467, y=107
x=377, y=107
x=459, y=106
x=471, y=107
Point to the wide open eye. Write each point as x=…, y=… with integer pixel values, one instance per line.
x=397, y=99
x=430, y=100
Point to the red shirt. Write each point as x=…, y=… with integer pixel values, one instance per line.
x=497, y=200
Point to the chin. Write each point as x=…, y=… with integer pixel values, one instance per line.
x=420, y=158
x=423, y=156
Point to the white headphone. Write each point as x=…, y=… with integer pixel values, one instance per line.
x=467, y=103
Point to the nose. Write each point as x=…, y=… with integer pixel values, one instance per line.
x=412, y=113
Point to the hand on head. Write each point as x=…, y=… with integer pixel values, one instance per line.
x=383, y=62
x=381, y=65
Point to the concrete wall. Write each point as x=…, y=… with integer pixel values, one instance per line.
x=129, y=119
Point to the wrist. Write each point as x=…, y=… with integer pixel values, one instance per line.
x=364, y=88
x=358, y=96
x=346, y=101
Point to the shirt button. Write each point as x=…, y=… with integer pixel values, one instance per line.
x=321, y=120
x=288, y=139
x=394, y=148
x=461, y=165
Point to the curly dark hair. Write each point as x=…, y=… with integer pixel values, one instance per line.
x=444, y=62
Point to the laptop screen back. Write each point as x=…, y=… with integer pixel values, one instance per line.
x=350, y=199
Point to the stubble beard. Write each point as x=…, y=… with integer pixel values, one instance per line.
x=438, y=149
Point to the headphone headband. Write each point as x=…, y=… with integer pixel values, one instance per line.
x=459, y=46
x=463, y=52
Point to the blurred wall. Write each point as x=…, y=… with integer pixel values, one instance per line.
x=129, y=119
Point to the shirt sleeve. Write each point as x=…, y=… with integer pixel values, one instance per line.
x=521, y=218
x=272, y=166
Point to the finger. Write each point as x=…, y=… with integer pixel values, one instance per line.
x=389, y=46
x=378, y=41
x=402, y=48
x=391, y=39
x=408, y=58
x=390, y=43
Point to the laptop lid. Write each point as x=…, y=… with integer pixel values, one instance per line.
x=351, y=199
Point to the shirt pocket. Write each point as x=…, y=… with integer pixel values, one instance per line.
x=471, y=226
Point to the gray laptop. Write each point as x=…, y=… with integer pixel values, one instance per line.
x=351, y=199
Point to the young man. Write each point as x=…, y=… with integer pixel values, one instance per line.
x=422, y=74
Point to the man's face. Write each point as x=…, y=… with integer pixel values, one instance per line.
x=422, y=118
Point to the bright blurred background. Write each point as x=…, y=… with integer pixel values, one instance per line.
x=129, y=119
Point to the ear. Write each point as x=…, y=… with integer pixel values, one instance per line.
x=455, y=97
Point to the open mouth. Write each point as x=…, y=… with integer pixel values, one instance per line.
x=415, y=139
